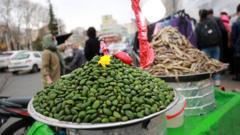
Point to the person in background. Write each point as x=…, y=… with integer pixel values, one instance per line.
x=92, y=45
x=236, y=45
x=224, y=34
x=113, y=42
x=225, y=18
x=52, y=62
x=227, y=47
x=78, y=59
x=68, y=54
x=209, y=38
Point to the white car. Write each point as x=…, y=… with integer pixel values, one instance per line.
x=26, y=61
x=5, y=57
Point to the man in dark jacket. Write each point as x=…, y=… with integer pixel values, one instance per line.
x=209, y=38
x=92, y=46
x=224, y=34
x=77, y=60
x=236, y=45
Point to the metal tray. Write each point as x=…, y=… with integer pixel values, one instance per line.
x=191, y=77
x=57, y=123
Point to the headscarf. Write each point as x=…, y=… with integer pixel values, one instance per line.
x=50, y=44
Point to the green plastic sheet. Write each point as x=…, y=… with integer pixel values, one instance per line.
x=39, y=128
x=225, y=120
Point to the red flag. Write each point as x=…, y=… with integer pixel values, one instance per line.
x=146, y=50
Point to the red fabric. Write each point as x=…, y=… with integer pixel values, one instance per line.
x=103, y=47
x=19, y=111
x=146, y=50
x=124, y=57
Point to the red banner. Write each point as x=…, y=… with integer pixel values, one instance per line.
x=146, y=50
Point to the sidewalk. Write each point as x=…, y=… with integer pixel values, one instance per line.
x=229, y=84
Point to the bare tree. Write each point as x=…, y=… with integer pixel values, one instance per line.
x=18, y=14
x=29, y=9
x=40, y=17
x=20, y=17
x=78, y=36
x=61, y=26
x=6, y=7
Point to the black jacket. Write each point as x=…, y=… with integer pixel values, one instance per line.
x=92, y=48
x=77, y=61
x=236, y=38
x=201, y=41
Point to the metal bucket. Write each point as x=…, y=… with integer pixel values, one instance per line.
x=200, y=110
x=198, y=94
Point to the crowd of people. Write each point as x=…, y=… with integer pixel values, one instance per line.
x=220, y=39
x=58, y=60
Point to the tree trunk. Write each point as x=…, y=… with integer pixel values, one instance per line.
x=28, y=46
x=18, y=46
x=11, y=45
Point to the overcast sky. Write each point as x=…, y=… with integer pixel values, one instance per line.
x=87, y=13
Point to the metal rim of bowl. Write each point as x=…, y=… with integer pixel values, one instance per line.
x=190, y=77
x=57, y=123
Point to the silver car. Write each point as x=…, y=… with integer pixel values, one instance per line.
x=26, y=61
x=5, y=58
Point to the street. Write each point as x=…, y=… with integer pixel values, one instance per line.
x=24, y=84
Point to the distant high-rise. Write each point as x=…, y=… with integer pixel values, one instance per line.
x=108, y=20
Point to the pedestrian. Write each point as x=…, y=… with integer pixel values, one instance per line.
x=92, y=45
x=236, y=45
x=227, y=46
x=68, y=54
x=224, y=35
x=78, y=59
x=52, y=62
x=209, y=38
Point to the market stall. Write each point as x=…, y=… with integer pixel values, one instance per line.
x=107, y=96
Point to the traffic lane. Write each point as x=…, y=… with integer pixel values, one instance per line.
x=23, y=84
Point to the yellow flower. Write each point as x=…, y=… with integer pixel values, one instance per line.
x=104, y=60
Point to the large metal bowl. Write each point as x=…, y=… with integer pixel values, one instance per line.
x=191, y=77
x=64, y=124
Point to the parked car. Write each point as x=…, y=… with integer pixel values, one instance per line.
x=5, y=57
x=26, y=61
